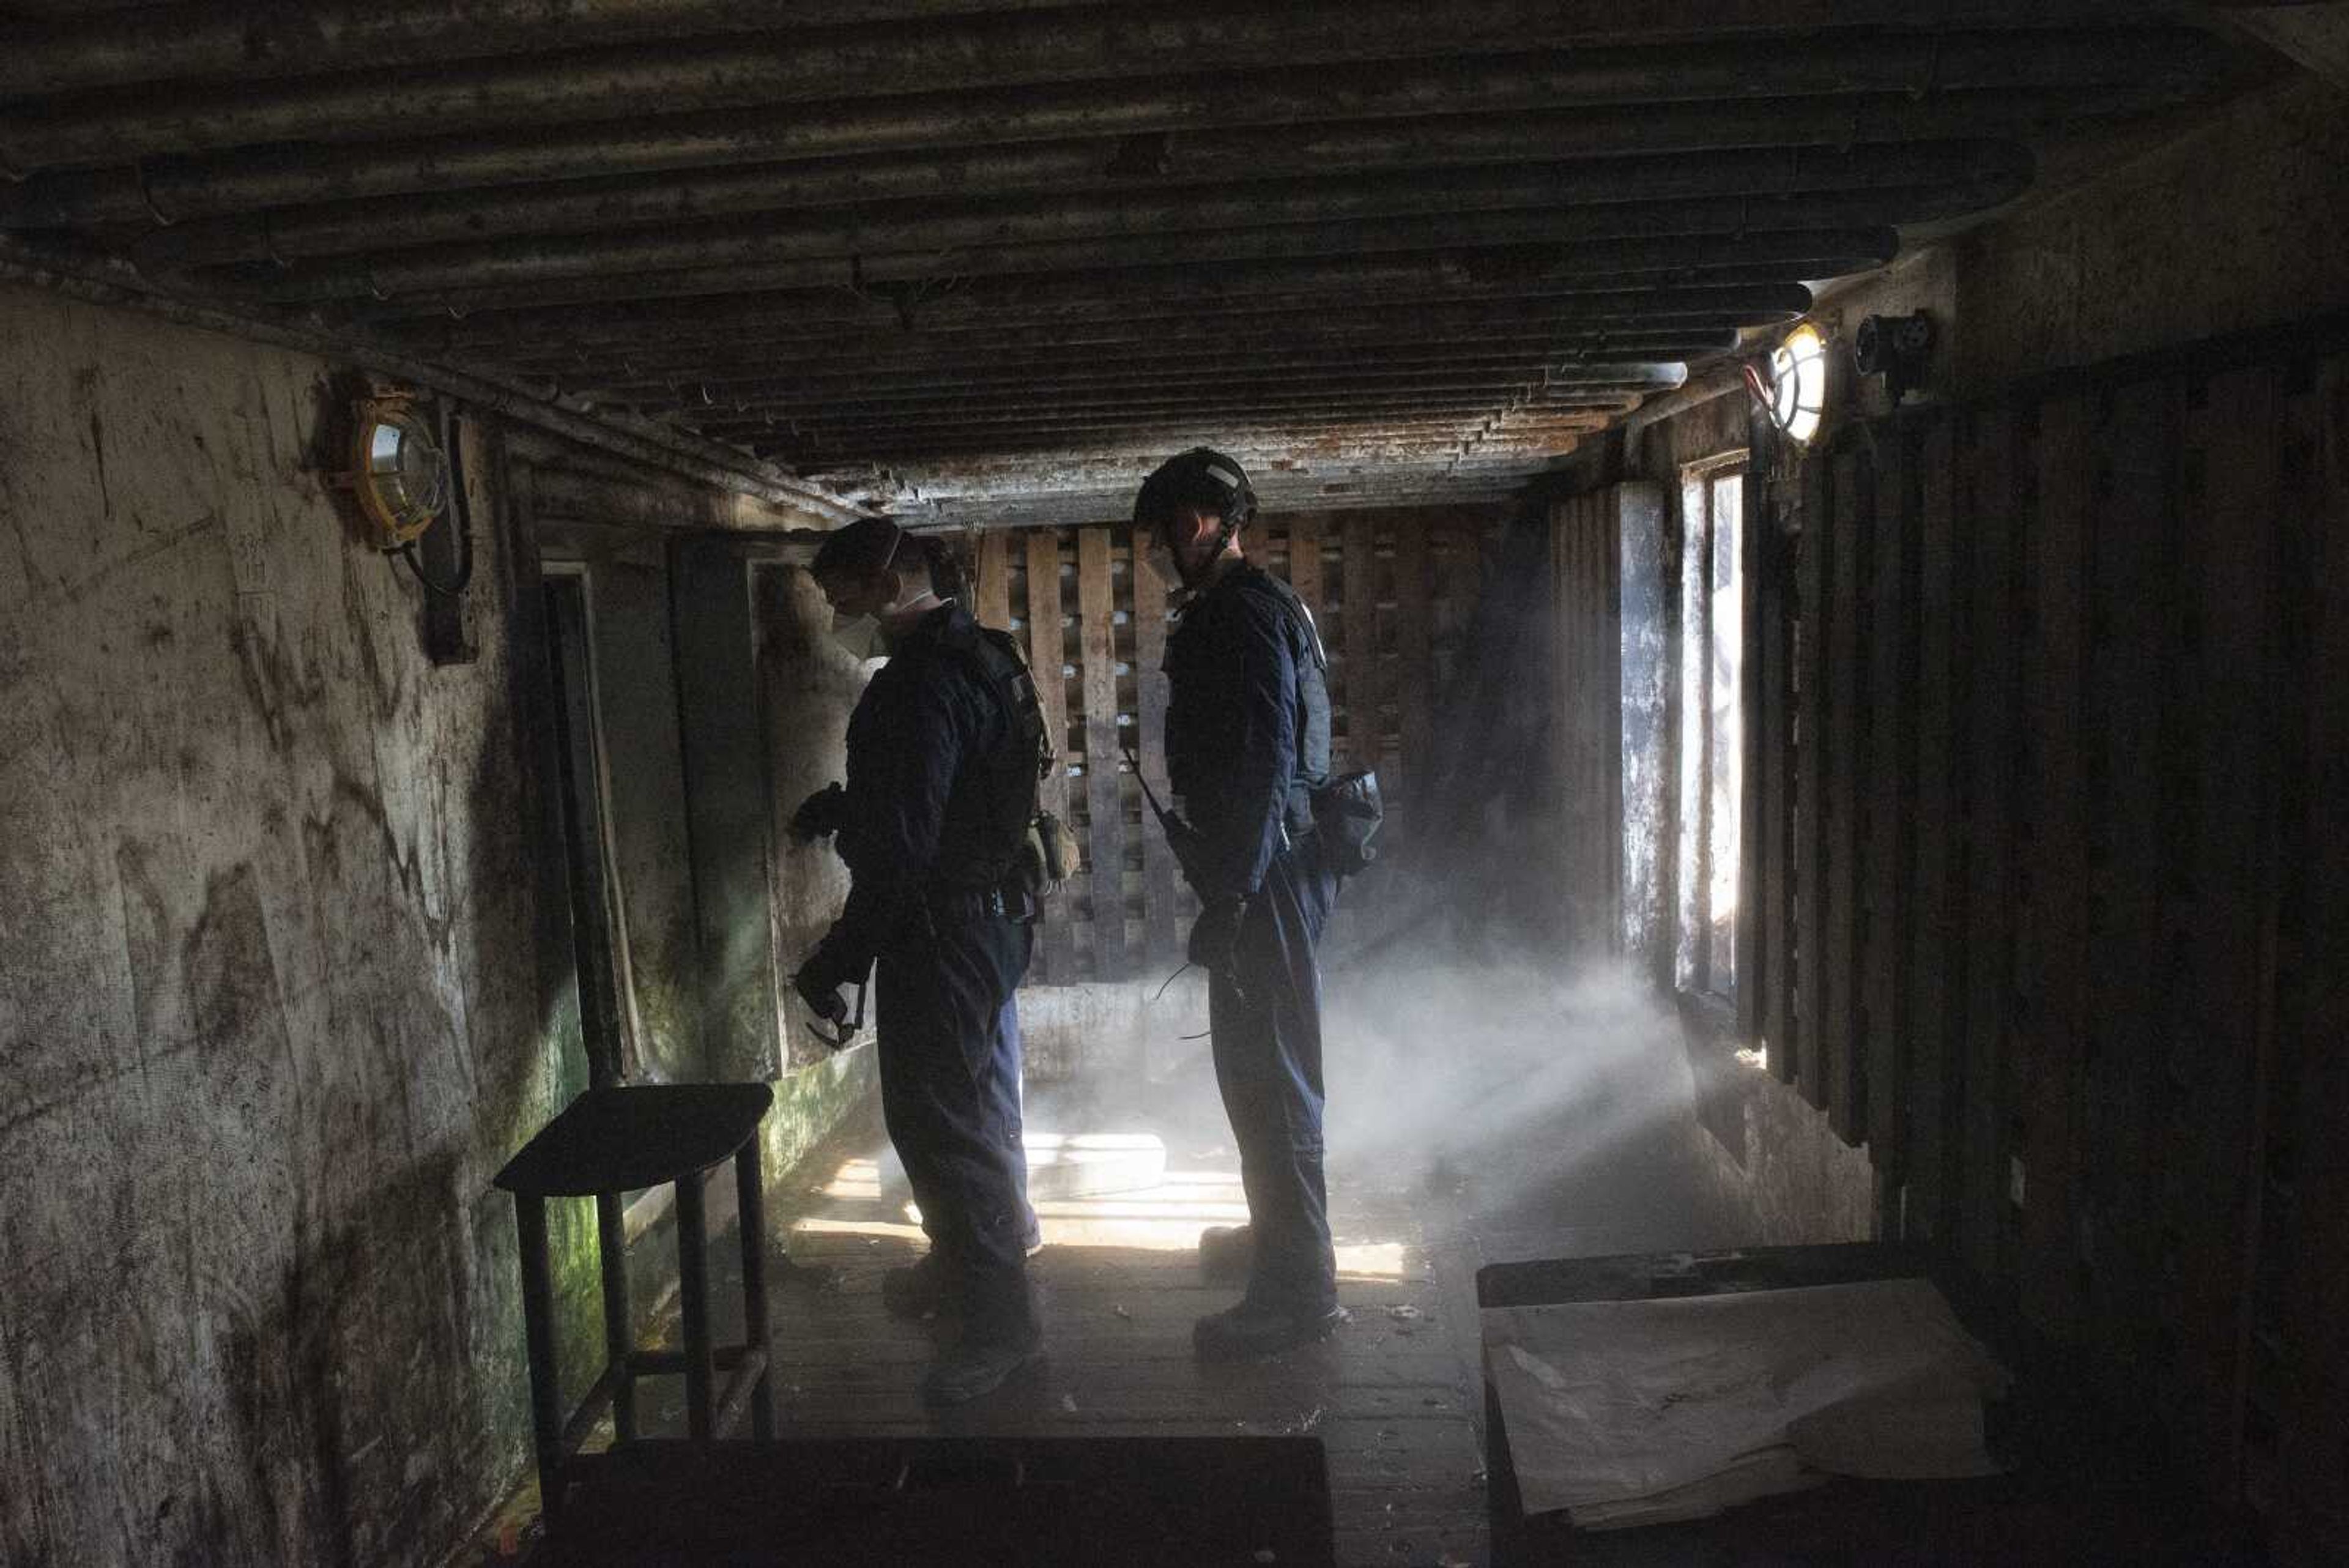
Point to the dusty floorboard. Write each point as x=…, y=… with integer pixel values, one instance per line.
x=1394, y=1396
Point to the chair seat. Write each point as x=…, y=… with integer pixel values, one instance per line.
x=623, y=1137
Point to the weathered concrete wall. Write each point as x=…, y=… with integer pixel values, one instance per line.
x=267, y=1006
x=2230, y=225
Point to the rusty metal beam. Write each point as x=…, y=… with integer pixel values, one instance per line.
x=1131, y=294
x=1729, y=181
x=1070, y=167
x=1107, y=44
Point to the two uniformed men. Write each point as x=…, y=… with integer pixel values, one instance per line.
x=942, y=770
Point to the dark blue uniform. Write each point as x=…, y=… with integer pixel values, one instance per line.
x=931, y=853
x=1247, y=739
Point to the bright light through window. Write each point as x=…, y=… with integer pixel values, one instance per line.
x=1711, y=744
x=1798, y=382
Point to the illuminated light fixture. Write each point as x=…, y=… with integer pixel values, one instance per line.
x=400, y=473
x=1796, y=395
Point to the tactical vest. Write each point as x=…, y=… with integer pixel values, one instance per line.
x=1312, y=699
x=986, y=826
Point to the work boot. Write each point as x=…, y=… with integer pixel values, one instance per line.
x=1227, y=1251
x=977, y=1366
x=918, y=1290
x=1246, y=1330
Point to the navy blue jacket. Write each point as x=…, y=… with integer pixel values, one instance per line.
x=1247, y=726
x=919, y=813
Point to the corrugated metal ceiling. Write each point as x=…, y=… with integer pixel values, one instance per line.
x=983, y=263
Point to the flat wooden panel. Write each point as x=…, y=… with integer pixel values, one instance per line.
x=2219, y=1048
x=1988, y=541
x=2313, y=1443
x=2132, y=656
x=1848, y=517
x=1936, y=934
x=991, y=589
x=1056, y=952
x=1104, y=811
x=1161, y=941
x=1810, y=802
x=1889, y=815
x=2053, y=963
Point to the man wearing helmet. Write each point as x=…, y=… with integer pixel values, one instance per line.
x=943, y=757
x=1247, y=741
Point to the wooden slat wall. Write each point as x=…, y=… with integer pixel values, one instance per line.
x=1393, y=592
x=2057, y=930
x=1587, y=541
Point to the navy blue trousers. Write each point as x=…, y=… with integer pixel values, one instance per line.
x=1267, y=1051
x=948, y=1027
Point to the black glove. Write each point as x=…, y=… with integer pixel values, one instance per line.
x=1215, y=944
x=825, y=812
x=825, y=1000
x=821, y=975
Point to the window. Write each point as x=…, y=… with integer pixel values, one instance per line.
x=1712, y=630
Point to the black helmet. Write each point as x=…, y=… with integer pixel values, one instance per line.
x=867, y=545
x=1203, y=478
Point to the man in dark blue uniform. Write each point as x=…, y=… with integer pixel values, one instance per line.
x=944, y=753
x=1247, y=741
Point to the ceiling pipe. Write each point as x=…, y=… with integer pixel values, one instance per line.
x=939, y=434
x=1109, y=44
x=1212, y=403
x=1609, y=327
x=1071, y=167
x=995, y=304
x=712, y=382
x=801, y=393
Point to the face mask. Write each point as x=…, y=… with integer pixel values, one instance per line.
x=859, y=634
x=1161, y=556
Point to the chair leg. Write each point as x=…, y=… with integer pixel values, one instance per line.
x=538, y=1330
x=693, y=1298
x=751, y=1204
x=611, y=1250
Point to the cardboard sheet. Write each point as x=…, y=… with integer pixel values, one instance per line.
x=1628, y=1412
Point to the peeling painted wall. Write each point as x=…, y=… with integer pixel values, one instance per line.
x=264, y=886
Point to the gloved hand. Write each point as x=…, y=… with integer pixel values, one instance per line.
x=824, y=1000
x=821, y=975
x=1214, y=942
x=825, y=812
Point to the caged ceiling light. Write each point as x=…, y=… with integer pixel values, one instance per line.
x=399, y=473
x=1796, y=394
